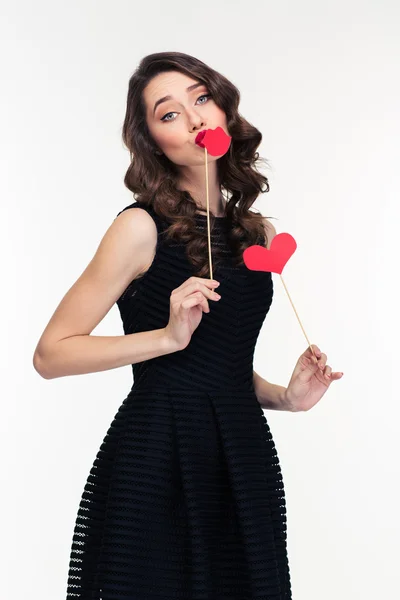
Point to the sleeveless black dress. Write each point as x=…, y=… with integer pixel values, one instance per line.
x=185, y=499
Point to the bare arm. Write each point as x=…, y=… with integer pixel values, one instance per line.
x=66, y=346
x=270, y=395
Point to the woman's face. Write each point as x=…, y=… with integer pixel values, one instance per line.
x=175, y=123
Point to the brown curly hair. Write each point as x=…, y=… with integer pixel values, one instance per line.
x=153, y=178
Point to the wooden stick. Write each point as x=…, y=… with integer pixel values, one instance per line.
x=209, y=253
x=208, y=215
x=308, y=341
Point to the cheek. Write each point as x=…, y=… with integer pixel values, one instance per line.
x=164, y=134
x=218, y=118
x=223, y=120
x=173, y=139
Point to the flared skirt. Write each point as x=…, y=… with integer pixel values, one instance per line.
x=185, y=500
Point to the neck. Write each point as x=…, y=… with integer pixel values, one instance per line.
x=192, y=180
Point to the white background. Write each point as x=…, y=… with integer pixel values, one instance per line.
x=321, y=82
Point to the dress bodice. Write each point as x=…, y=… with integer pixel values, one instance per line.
x=220, y=353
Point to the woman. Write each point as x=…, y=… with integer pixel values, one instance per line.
x=185, y=498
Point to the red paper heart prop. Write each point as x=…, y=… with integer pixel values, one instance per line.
x=258, y=258
x=215, y=140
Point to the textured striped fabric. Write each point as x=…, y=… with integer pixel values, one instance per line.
x=185, y=499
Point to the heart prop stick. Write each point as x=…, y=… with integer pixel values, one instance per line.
x=258, y=258
x=217, y=142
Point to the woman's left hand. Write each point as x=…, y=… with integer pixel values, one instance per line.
x=309, y=381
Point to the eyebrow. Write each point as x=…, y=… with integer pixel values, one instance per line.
x=165, y=98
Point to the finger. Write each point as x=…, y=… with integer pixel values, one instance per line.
x=317, y=351
x=327, y=372
x=322, y=361
x=310, y=364
x=210, y=283
x=199, y=286
x=211, y=294
x=312, y=352
x=202, y=301
x=202, y=291
x=189, y=302
x=336, y=375
x=193, y=300
x=192, y=285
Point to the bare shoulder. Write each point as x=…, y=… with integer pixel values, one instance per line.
x=137, y=219
x=125, y=251
x=128, y=245
x=269, y=230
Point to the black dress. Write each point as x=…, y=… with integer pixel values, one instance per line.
x=185, y=499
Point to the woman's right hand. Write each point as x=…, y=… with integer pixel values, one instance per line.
x=187, y=304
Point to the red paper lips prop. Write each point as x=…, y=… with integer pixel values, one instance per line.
x=258, y=258
x=216, y=141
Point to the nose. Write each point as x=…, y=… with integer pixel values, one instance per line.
x=199, y=127
x=196, y=121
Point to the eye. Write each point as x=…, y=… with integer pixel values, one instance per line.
x=171, y=113
x=204, y=96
